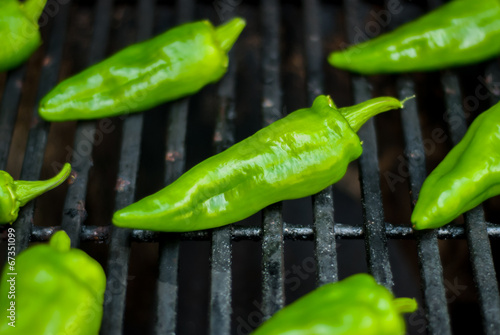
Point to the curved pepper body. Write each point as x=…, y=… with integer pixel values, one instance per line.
x=58, y=290
x=355, y=305
x=16, y=193
x=174, y=64
x=455, y=34
x=19, y=31
x=294, y=157
x=466, y=177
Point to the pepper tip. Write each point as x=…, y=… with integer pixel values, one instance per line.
x=228, y=33
x=337, y=60
x=33, y=9
x=60, y=241
x=405, y=305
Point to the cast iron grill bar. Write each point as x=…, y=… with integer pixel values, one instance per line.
x=431, y=270
x=74, y=213
x=240, y=233
x=169, y=243
x=221, y=253
x=167, y=284
x=37, y=138
x=8, y=111
x=475, y=225
x=323, y=210
x=273, y=288
x=119, y=249
x=375, y=237
x=220, y=280
x=483, y=269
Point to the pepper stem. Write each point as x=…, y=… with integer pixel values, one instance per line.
x=60, y=241
x=405, y=305
x=28, y=190
x=228, y=33
x=357, y=115
x=33, y=9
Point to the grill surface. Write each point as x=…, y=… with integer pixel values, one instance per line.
x=205, y=282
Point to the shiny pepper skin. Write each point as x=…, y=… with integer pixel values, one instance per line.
x=174, y=64
x=58, y=290
x=19, y=31
x=17, y=193
x=294, y=157
x=356, y=305
x=466, y=177
x=458, y=33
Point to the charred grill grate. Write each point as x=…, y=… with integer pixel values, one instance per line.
x=325, y=232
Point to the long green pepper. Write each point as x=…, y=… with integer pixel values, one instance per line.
x=54, y=290
x=466, y=177
x=458, y=33
x=19, y=31
x=16, y=193
x=353, y=306
x=172, y=65
x=293, y=157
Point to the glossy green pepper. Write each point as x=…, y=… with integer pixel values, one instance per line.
x=293, y=157
x=174, y=64
x=19, y=31
x=457, y=33
x=16, y=193
x=355, y=305
x=466, y=177
x=52, y=289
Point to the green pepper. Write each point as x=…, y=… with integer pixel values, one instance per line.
x=466, y=177
x=293, y=157
x=174, y=64
x=52, y=289
x=19, y=31
x=355, y=305
x=457, y=33
x=16, y=193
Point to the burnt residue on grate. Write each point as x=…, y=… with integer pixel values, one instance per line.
x=228, y=280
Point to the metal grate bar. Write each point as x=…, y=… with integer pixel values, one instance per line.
x=37, y=138
x=220, y=289
x=475, y=225
x=483, y=269
x=119, y=249
x=8, y=111
x=325, y=244
x=273, y=291
x=74, y=213
x=375, y=235
x=240, y=233
x=376, y=242
x=428, y=252
x=167, y=284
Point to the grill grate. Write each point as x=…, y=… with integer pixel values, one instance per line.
x=325, y=232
